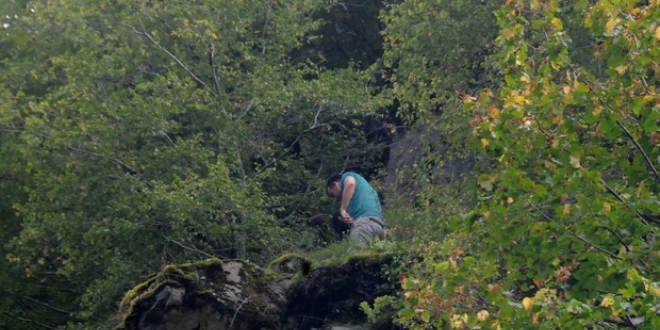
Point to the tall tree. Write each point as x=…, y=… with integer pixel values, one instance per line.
x=156, y=132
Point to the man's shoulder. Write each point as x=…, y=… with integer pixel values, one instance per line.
x=350, y=173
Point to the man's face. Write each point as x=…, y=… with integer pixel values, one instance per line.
x=335, y=191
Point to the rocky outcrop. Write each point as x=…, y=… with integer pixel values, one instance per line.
x=292, y=293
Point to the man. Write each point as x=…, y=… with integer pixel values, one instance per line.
x=359, y=207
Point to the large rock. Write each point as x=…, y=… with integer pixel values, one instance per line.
x=292, y=293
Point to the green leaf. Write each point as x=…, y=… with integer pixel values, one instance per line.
x=651, y=122
x=441, y=267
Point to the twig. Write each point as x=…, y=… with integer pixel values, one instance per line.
x=639, y=147
x=316, y=118
x=46, y=305
x=116, y=161
x=345, y=163
x=188, y=248
x=594, y=246
x=213, y=71
x=231, y=324
x=167, y=137
x=621, y=199
x=172, y=56
x=574, y=234
x=619, y=238
x=30, y=321
x=483, y=300
x=269, y=9
x=286, y=151
x=247, y=108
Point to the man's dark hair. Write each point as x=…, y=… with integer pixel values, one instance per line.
x=331, y=180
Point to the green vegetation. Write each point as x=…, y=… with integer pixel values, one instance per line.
x=516, y=145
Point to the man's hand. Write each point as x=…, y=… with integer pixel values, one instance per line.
x=346, y=217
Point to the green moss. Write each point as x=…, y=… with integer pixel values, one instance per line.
x=169, y=275
x=263, y=285
x=361, y=256
x=303, y=268
x=285, y=257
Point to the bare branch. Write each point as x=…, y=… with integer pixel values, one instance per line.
x=213, y=71
x=269, y=9
x=286, y=151
x=316, y=118
x=639, y=148
x=188, y=248
x=172, y=56
x=345, y=163
x=247, y=299
x=116, y=161
x=593, y=246
x=46, y=305
x=619, y=238
x=30, y=321
x=167, y=137
x=247, y=108
x=575, y=235
x=621, y=199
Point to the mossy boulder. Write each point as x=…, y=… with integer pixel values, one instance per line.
x=291, y=293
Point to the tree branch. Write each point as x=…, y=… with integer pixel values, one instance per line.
x=188, y=248
x=576, y=236
x=172, y=56
x=213, y=72
x=46, y=305
x=30, y=321
x=116, y=161
x=639, y=148
x=622, y=200
x=286, y=151
x=594, y=246
x=619, y=238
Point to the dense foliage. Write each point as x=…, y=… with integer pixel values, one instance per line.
x=517, y=143
x=564, y=235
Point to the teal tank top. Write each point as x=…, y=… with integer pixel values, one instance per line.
x=365, y=201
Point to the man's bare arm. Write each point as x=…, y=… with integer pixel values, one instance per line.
x=347, y=193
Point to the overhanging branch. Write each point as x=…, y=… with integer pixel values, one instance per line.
x=170, y=54
x=639, y=148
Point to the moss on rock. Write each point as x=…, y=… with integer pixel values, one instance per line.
x=291, y=293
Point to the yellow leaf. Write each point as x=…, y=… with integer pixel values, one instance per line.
x=484, y=143
x=567, y=208
x=567, y=89
x=657, y=33
x=606, y=207
x=493, y=111
x=621, y=69
x=535, y=319
x=527, y=302
x=575, y=161
x=556, y=23
x=509, y=33
x=607, y=301
x=519, y=99
x=597, y=109
x=453, y=263
x=611, y=24
x=404, y=283
x=524, y=78
x=509, y=200
x=550, y=165
x=483, y=315
x=654, y=289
